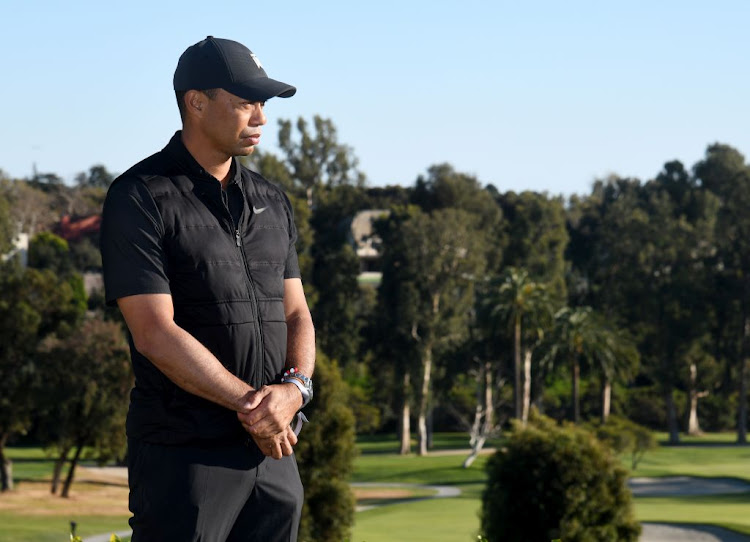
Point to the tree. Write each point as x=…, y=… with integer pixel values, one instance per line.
x=7, y=227
x=30, y=208
x=35, y=304
x=640, y=256
x=396, y=305
x=445, y=188
x=334, y=274
x=318, y=159
x=581, y=337
x=622, y=436
x=88, y=378
x=556, y=482
x=474, y=384
x=430, y=275
x=520, y=305
x=723, y=172
x=325, y=453
x=535, y=229
x=98, y=176
x=48, y=251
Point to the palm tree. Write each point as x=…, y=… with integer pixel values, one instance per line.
x=581, y=336
x=520, y=305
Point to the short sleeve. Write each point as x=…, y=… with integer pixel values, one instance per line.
x=133, y=258
x=291, y=268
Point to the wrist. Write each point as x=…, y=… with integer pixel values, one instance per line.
x=297, y=390
x=301, y=381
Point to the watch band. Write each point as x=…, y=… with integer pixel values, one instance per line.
x=294, y=376
x=306, y=395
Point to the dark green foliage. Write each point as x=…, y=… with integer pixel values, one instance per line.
x=34, y=304
x=98, y=176
x=556, y=482
x=534, y=226
x=7, y=228
x=48, y=251
x=645, y=405
x=84, y=395
x=624, y=436
x=325, y=454
x=445, y=188
x=85, y=255
x=317, y=158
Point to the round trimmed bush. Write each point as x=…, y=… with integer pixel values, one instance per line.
x=554, y=482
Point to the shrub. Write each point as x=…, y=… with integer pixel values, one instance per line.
x=624, y=436
x=325, y=453
x=556, y=482
x=646, y=406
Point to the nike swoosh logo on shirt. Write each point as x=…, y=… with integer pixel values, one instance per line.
x=258, y=210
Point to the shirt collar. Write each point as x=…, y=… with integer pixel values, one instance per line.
x=177, y=150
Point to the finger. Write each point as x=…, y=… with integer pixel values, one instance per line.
x=292, y=437
x=277, y=451
x=286, y=448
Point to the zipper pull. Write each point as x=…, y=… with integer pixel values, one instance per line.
x=237, y=237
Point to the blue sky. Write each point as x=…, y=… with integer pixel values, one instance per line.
x=536, y=95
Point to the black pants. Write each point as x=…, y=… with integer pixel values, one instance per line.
x=212, y=494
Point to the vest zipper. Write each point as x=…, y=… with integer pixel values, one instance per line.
x=259, y=349
x=259, y=358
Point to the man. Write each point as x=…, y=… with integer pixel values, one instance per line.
x=198, y=253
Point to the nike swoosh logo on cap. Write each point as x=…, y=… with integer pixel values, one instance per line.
x=258, y=210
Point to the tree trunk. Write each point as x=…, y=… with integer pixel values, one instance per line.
x=71, y=472
x=606, y=399
x=526, y=386
x=424, y=398
x=576, y=390
x=694, y=427
x=6, y=466
x=742, y=408
x=489, y=402
x=672, y=427
x=59, y=463
x=488, y=410
x=476, y=425
x=430, y=427
x=517, y=368
x=537, y=389
x=404, y=423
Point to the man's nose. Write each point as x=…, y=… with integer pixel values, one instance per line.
x=258, y=117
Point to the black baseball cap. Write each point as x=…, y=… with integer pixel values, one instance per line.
x=220, y=63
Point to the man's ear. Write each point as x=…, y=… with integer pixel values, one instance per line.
x=195, y=101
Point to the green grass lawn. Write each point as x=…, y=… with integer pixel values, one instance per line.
x=21, y=528
x=730, y=511
x=714, y=456
x=424, y=521
x=448, y=519
x=33, y=465
x=457, y=519
x=730, y=461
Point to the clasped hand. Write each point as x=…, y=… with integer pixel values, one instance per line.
x=267, y=415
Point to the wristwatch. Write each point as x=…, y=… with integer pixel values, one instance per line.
x=303, y=383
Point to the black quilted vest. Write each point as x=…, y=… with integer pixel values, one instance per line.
x=227, y=285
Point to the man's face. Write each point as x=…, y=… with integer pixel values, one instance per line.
x=232, y=125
